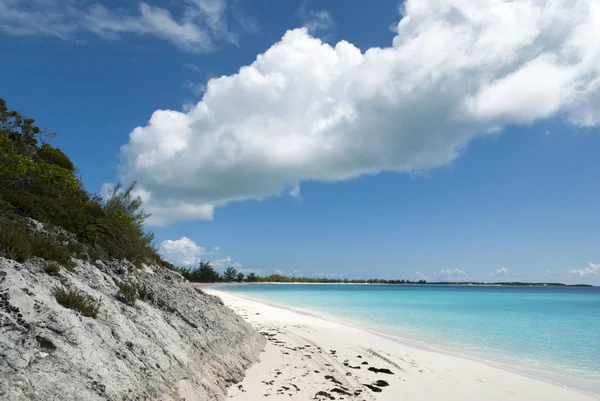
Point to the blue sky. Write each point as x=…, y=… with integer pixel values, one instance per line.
x=394, y=140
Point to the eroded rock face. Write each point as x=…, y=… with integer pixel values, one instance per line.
x=174, y=343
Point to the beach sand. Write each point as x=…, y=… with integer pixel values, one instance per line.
x=310, y=358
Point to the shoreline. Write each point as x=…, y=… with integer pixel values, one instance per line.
x=276, y=317
x=554, y=377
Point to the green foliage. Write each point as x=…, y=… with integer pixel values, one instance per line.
x=124, y=205
x=51, y=250
x=230, y=274
x=251, y=278
x=15, y=240
x=38, y=181
x=53, y=269
x=77, y=300
x=56, y=156
x=128, y=293
x=240, y=277
x=203, y=273
x=97, y=253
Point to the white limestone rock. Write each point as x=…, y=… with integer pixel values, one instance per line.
x=175, y=343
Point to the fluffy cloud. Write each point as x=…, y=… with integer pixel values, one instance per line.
x=184, y=251
x=201, y=21
x=305, y=110
x=592, y=270
x=450, y=274
x=502, y=272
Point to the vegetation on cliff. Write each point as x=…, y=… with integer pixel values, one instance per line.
x=38, y=181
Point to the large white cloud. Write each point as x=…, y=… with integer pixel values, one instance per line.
x=305, y=110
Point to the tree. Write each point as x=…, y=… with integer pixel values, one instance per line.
x=240, y=277
x=206, y=273
x=124, y=200
x=230, y=274
x=251, y=278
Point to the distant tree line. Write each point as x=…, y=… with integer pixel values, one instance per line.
x=205, y=273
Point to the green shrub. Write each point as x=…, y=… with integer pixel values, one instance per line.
x=53, y=155
x=75, y=247
x=47, y=248
x=77, y=300
x=53, y=269
x=97, y=253
x=15, y=240
x=128, y=293
x=38, y=181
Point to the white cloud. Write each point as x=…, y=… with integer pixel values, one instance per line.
x=200, y=24
x=592, y=270
x=224, y=263
x=551, y=273
x=502, y=272
x=314, y=20
x=184, y=251
x=419, y=276
x=319, y=21
x=307, y=111
x=450, y=274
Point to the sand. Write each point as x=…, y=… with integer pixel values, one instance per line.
x=310, y=358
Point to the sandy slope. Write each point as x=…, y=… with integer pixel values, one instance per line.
x=310, y=358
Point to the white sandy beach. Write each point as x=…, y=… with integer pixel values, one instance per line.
x=309, y=358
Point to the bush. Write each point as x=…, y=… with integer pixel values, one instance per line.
x=128, y=293
x=53, y=269
x=97, y=253
x=48, y=249
x=55, y=156
x=38, y=181
x=15, y=240
x=77, y=300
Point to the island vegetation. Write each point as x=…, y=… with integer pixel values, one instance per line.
x=38, y=183
x=205, y=273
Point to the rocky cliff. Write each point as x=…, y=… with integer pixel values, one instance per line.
x=155, y=336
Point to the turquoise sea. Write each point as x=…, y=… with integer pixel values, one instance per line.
x=550, y=332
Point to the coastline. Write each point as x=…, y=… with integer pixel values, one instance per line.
x=419, y=370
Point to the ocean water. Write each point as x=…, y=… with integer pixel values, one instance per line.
x=550, y=332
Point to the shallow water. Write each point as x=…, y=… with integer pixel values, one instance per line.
x=553, y=330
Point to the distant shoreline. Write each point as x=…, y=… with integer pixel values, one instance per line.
x=465, y=284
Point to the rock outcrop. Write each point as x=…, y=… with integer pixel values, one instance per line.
x=168, y=341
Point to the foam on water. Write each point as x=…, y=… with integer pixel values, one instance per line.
x=544, y=330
